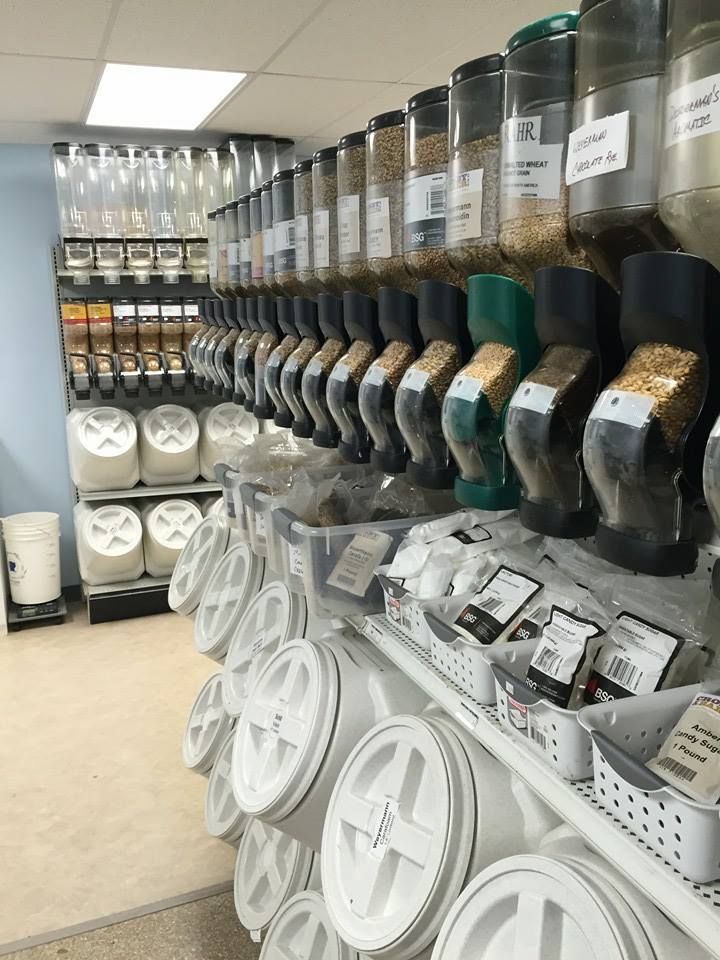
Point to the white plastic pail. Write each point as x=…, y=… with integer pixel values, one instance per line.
x=32, y=545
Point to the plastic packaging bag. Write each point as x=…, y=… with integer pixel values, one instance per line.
x=578, y=562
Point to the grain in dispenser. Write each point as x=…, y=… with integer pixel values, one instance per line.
x=397, y=316
x=613, y=161
x=264, y=408
x=319, y=368
x=276, y=361
x=385, y=152
x=76, y=336
x=352, y=213
x=283, y=213
x=419, y=399
x=244, y=243
x=538, y=103
x=106, y=209
x=266, y=214
x=325, y=221
x=212, y=251
x=234, y=286
x=501, y=323
x=257, y=285
x=135, y=208
x=576, y=319
x=69, y=163
x=304, y=258
x=426, y=164
x=646, y=434
x=473, y=182
x=245, y=355
x=305, y=316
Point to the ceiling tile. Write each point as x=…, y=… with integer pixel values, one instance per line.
x=45, y=89
x=73, y=28
x=393, y=97
x=291, y=106
x=219, y=34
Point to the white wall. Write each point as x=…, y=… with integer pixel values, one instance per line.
x=34, y=473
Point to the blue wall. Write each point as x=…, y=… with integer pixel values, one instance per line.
x=34, y=472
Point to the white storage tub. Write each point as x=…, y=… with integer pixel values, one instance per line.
x=207, y=728
x=270, y=869
x=223, y=817
x=168, y=442
x=103, y=449
x=302, y=929
x=303, y=716
x=625, y=734
x=418, y=810
x=226, y=424
x=167, y=527
x=109, y=543
x=551, y=731
x=196, y=563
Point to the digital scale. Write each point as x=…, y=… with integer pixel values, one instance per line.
x=35, y=614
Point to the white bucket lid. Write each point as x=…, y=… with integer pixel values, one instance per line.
x=171, y=523
x=232, y=585
x=270, y=868
x=207, y=727
x=274, y=617
x=200, y=555
x=398, y=836
x=229, y=422
x=285, y=728
x=524, y=904
x=171, y=428
x=302, y=930
x=223, y=818
x=107, y=432
x=112, y=530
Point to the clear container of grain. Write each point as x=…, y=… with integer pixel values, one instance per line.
x=257, y=285
x=125, y=332
x=289, y=342
x=234, y=285
x=418, y=402
x=305, y=318
x=283, y=202
x=244, y=242
x=576, y=318
x=502, y=328
x=212, y=250
x=314, y=381
x=352, y=213
x=148, y=336
x=76, y=334
x=473, y=181
x=343, y=385
x=325, y=221
x=192, y=321
x=539, y=81
x=689, y=172
x=264, y=408
x=426, y=163
x=646, y=434
x=266, y=212
x=614, y=150
x=397, y=317
x=222, y=252
x=304, y=268
x=385, y=151
x=245, y=355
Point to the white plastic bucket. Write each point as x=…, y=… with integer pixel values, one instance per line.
x=32, y=546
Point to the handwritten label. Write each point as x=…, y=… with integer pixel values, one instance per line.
x=598, y=147
x=693, y=110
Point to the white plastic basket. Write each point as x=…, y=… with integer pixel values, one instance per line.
x=625, y=734
x=551, y=731
x=404, y=610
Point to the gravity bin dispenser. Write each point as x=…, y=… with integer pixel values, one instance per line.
x=577, y=324
x=289, y=342
x=645, y=437
x=267, y=316
x=305, y=316
x=315, y=377
x=245, y=356
x=500, y=320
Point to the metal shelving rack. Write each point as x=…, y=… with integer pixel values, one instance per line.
x=695, y=908
x=170, y=490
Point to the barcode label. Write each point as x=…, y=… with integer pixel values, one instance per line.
x=436, y=202
x=560, y=655
x=356, y=565
x=549, y=662
x=625, y=673
x=425, y=198
x=497, y=604
x=491, y=604
x=677, y=769
x=464, y=203
x=538, y=736
x=284, y=238
x=378, y=239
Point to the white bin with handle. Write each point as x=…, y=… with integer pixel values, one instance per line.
x=225, y=425
x=168, y=440
x=103, y=449
x=167, y=527
x=109, y=543
x=32, y=548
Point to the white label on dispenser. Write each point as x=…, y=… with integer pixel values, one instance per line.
x=302, y=242
x=598, y=147
x=268, y=242
x=692, y=110
x=233, y=251
x=170, y=310
x=382, y=829
x=464, y=205
x=376, y=375
x=378, y=228
x=245, y=250
x=534, y=396
x=126, y=309
x=295, y=560
x=425, y=198
x=148, y=310
x=349, y=224
x=621, y=406
x=354, y=570
x=321, y=238
x=415, y=379
x=530, y=169
x=465, y=388
x=284, y=231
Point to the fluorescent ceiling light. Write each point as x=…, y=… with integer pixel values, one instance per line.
x=164, y=98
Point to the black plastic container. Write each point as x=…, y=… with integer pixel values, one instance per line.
x=314, y=381
x=305, y=317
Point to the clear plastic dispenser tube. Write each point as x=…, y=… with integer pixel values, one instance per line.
x=289, y=342
x=315, y=377
x=305, y=317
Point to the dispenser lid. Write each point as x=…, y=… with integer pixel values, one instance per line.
x=107, y=432
x=285, y=729
x=360, y=314
x=171, y=523
x=523, y=901
x=356, y=139
x=113, y=530
x=491, y=63
x=305, y=313
x=199, y=557
x=267, y=315
x=273, y=617
x=545, y=27
x=285, y=316
x=234, y=582
x=282, y=175
x=303, y=930
x=442, y=311
x=397, y=315
x=251, y=314
x=303, y=166
x=207, y=727
x=398, y=836
x=223, y=817
x=501, y=310
x=170, y=428
x=330, y=317
x=425, y=97
x=327, y=153
x=393, y=118
x=270, y=868
x=228, y=423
